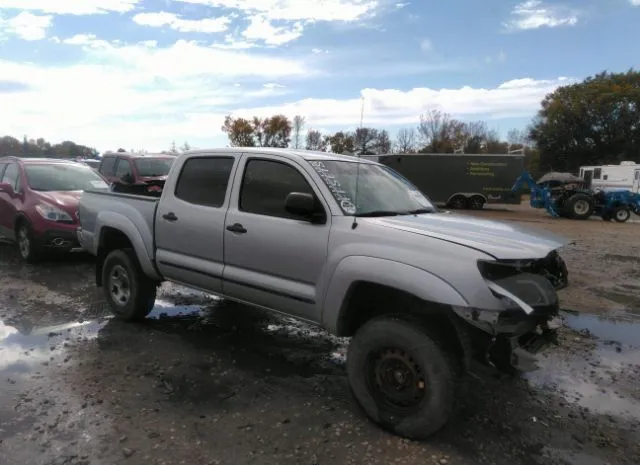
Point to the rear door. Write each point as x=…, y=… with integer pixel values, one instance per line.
x=190, y=222
x=9, y=204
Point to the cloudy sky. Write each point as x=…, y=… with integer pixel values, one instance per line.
x=141, y=73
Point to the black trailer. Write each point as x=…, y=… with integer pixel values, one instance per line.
x=461, y=180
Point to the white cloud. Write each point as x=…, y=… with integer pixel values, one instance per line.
x=135, y=95
x=635, y=2
x=145, y=95
x=293, y=10
x=534, y=14
x=162, y=18
x=71, y=7
x=389, y=107
x=26, y=26
x=261, y=28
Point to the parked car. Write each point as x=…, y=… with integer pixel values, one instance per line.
x=136, y=173
x=422, y=292
x=39, y=203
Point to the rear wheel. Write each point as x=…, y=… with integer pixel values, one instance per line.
x=621, y=214
x=401, y=378
x=129, y=292
x=476, y=202
x=580, y=206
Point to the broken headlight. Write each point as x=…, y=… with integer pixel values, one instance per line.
x=519, y=284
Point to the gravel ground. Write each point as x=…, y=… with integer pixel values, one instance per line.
x=207, y=382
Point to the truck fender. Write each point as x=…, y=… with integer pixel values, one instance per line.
x=407, y=278
x=130, y=230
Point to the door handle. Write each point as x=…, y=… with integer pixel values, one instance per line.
x=170, y=216
x=237, y=228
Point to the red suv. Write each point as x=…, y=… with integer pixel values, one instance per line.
x=140, y=173
x=39, y=202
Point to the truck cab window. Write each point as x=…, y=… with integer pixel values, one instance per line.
x=265, y=187
x=596, y=173
x=107, y=166
x=123, y=168
x=203, y=181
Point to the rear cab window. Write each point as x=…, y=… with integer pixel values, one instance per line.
x=204, y=180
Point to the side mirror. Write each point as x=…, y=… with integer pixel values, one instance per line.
x=302, y=204
x=6, y=188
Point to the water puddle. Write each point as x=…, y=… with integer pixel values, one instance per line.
x=604, y=379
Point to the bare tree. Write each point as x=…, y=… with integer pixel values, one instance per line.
x=406, y=141
x=365, y=141
x=316, y=141
x=476, y=136
x=383, y=142
x=298, y=126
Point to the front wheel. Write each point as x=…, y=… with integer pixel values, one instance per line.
x=401, y=378
x=621, y=214
x=27, y=246
x=129, y=292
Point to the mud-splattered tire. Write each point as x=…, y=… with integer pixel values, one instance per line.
x=621, y=214
x=28, y=248
x=401, y=378
x=128, y=291
x=580, y=206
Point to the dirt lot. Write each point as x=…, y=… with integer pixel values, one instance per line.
x=206, y=382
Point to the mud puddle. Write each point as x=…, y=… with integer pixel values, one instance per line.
x=600, y=369
x=28, y=356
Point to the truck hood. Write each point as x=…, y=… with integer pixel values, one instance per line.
x=501, y=240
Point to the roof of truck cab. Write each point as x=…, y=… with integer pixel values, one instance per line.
x=289, y=153
x=137, y=155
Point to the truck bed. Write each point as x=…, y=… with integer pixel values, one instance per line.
x=138, y=210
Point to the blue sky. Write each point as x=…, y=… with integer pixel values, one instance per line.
x=141, y=73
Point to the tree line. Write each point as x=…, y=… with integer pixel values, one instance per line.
x=10, y=146
x=593, y=122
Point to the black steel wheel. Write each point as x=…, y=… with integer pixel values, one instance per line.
x=401, y=378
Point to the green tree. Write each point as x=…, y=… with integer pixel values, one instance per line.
x=593, y=122
x=342, y=142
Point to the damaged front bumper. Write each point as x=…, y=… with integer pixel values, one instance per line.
x=510, y=339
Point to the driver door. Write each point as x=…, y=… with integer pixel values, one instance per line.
x=272, y=258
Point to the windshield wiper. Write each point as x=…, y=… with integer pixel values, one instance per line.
x=377, y=213
x=419, y=211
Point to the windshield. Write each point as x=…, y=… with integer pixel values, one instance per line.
x=381, y=191
x=151, y=167
x=62, y=177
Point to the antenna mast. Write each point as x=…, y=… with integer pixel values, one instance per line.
x=354, y=225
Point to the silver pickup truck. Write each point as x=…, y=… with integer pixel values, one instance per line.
x=347, y=244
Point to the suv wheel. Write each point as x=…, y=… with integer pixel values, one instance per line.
x=129, y=292
x=401, y=378
x=29, y=250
